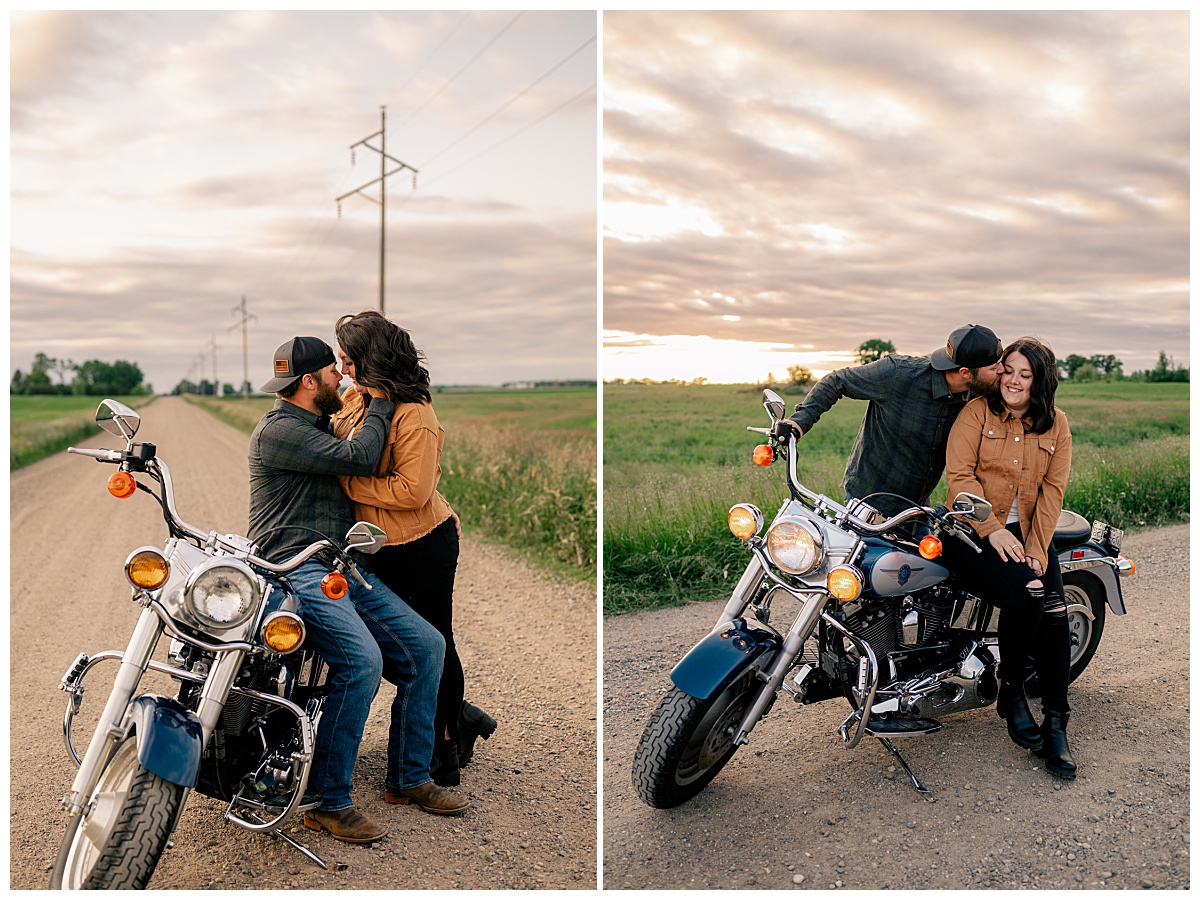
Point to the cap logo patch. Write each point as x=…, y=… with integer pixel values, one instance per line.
x=282, y=367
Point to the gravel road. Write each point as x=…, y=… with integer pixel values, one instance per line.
x=794, y=810
x=528, y=643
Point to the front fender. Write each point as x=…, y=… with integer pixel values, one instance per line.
x=722, y=656
x=170, y=741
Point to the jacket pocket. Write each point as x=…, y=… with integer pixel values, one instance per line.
x=1042, y=457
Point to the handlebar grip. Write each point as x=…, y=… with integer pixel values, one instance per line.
x=103, y=455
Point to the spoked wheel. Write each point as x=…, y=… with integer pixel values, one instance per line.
x=1083, y=596
x=118, y=840
x=688, y=741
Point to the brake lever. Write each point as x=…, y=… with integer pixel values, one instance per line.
x=358, y=575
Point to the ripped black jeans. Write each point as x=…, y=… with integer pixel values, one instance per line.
x=1033, y=622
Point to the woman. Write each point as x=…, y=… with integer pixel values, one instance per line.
x=421, y=555
x=1014, y=450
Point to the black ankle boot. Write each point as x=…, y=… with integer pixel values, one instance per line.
x=1055, y=751
x=1012, y=706
x=473, y=723
x=445, y=765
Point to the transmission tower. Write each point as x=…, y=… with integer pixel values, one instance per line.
x=246, y=316
x=382, y=182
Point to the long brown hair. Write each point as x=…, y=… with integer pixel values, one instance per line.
x=384, y=356
x=1041, y=390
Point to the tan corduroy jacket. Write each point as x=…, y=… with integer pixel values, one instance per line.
x=401, y=497
x=991, y=456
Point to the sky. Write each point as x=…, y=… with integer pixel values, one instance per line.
x=780, y=187
x=164, y=165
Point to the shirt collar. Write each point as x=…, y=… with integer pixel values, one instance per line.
x=310, y=417
x=941, y=389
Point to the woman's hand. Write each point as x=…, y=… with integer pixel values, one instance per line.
x=1006, y=544
x=457, y=524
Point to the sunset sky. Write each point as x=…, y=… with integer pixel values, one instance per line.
x=163, y=165
x=781, y=186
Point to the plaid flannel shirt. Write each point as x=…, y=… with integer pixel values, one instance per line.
x=294, y=464
x=901, y=445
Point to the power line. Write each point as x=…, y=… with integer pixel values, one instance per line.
x=470, y=62
x=433, y=53
x=515, y=134
x=513, y=99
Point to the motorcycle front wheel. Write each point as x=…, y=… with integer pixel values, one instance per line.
x=688, y=741
x=117, y=841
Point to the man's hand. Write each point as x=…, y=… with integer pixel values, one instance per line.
x=785, y=427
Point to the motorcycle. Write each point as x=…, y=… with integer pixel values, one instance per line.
x=878, y=621
x=241, y=723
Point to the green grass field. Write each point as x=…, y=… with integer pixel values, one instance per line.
x=517, y=466
x=43, y=424
x=677, y=457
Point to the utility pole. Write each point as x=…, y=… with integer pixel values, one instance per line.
x=216, y=380
x=245, y=360
x=382, y=182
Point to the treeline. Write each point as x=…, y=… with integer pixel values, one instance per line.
x=1080, y=369
x=95, y=376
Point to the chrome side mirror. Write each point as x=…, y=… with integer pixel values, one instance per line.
x=774, y=405
x=117, y=418
x=365, y=537
x=975, y=508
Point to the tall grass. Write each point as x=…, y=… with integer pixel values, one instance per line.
x=519, y=467
x=40, y=426
x=533, y=492
x=677, y=458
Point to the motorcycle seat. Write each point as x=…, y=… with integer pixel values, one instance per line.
x=1072, y=530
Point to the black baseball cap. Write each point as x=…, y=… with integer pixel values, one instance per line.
x=973, y=346
x=296, y=358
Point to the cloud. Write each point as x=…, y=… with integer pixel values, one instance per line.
x=893, y=174
x=163, y=165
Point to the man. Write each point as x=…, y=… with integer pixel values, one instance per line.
x=367, y=634
x=914, y=400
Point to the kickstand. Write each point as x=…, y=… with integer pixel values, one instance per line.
x=287, y=839
x=921, y=789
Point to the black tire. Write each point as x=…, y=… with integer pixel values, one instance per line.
x=688, y=741
x=141, y=808
x=1082, y=590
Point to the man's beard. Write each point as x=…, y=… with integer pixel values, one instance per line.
x=982, y=388
x=327, y=400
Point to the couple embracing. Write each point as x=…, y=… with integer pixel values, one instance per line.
x=319, y=462
x=985, y=414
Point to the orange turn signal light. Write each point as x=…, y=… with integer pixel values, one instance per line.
x=763, y=455
x=930, y=547
x=335, y=586
x=122, y=485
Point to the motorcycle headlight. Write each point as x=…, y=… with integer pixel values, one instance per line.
x=795, y=545
x=222, y=594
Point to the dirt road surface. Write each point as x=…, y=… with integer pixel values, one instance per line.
x=527, y=642
x=794, y=810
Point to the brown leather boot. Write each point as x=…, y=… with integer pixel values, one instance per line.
x=430, y=797
x=347, y=825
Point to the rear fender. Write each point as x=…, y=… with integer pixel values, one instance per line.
x=1092, y=559
x=723, y=656
x=169, y=738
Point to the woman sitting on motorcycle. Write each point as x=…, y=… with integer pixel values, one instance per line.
x=1014, y=450
x=421, y=556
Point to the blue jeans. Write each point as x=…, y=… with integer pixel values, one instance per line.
x=365, y=636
